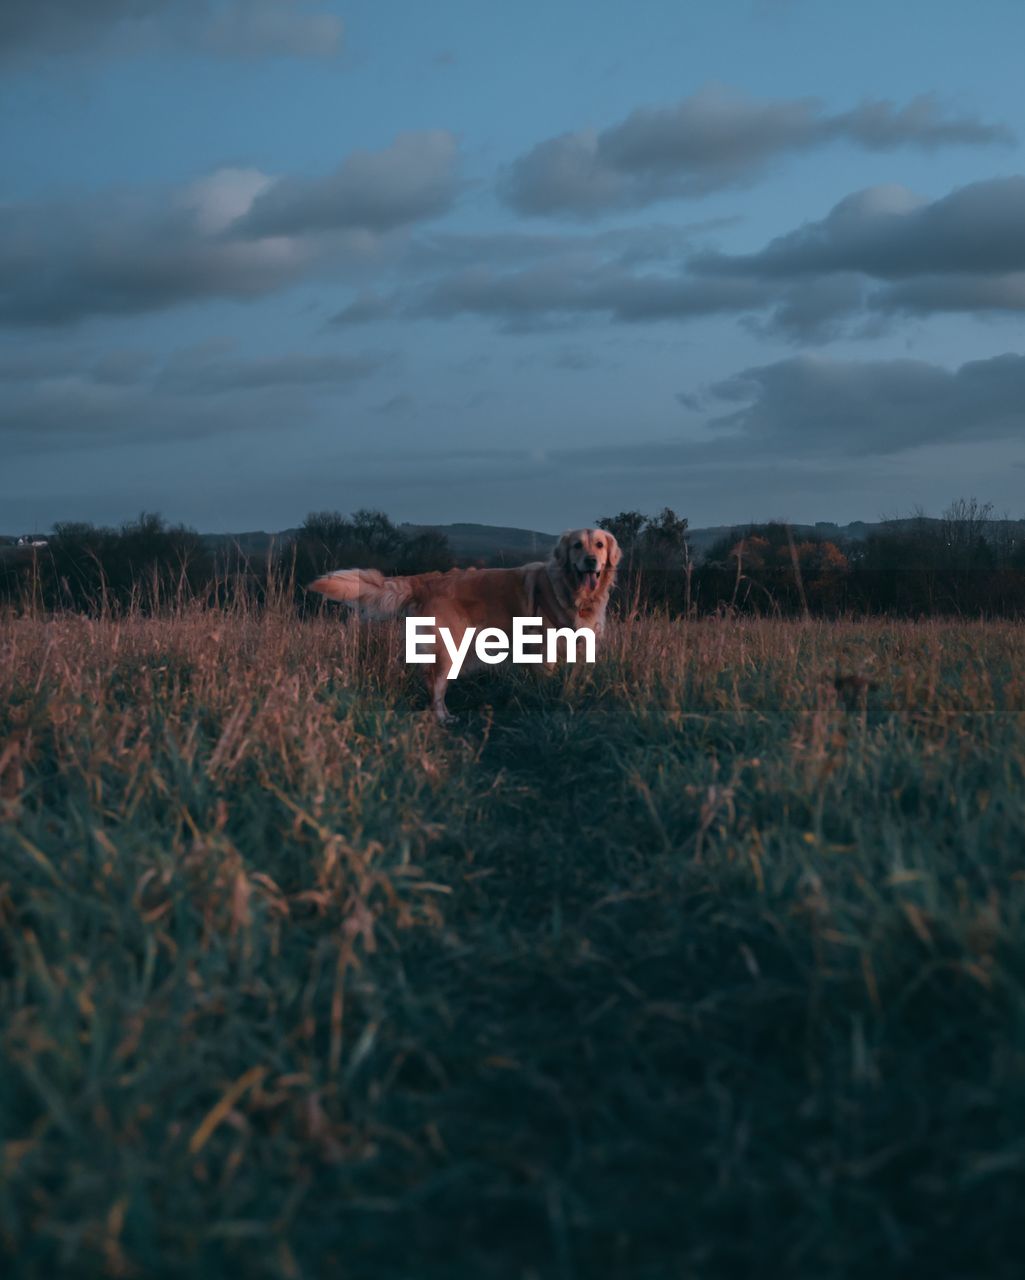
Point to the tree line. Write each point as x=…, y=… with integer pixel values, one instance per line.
x=964, y=563
x=148, y=565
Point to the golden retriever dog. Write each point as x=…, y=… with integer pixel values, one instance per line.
x=570, y=589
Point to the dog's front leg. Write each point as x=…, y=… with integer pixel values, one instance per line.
x=437, y=683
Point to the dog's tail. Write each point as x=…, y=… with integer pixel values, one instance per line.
x=367, y=590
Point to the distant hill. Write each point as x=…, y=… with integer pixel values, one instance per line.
x=487, y=542
x=468, y=541
x=254, y=543
x=701, y=539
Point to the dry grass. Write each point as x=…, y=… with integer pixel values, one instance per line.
x=706, y=961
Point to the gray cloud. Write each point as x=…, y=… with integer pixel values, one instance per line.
x=890, y=233
x=120, y=367
x=413, y=179
x=40, y=364
x=691, y=401
x=575, y=359
x=28, y=366
x=67, y=26
x=210, y=370
x=365, y=308
x=970, y=293
x=628, y=246
x=529, y=296
x=878, y=253
x=127, y=255
x=711, y=141
x=204, y=390
x=254, y=28
x=229, y=28
x=880, y=126
x=818, y=406
x=532, y=282
x=133, y=252
x=397, y=406
x=539, y=283
x=885, y=251
x=816, y=310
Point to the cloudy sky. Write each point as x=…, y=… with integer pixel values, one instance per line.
x=521, y=264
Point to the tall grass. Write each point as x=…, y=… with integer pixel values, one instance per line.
x=707, y=961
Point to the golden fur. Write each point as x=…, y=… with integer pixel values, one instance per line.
x=570, y=589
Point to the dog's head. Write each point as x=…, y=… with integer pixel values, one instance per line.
x=588, y=559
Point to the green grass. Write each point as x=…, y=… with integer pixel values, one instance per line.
x=687, y=965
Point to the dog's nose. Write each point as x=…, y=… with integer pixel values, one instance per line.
x=590, y=562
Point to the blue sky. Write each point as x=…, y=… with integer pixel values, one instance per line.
x=521, y=264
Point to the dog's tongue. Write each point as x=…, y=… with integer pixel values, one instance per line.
x=592, y=581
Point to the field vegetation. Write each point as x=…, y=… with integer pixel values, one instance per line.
x=965, y=564
x=707, y=961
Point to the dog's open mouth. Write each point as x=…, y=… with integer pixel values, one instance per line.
x=588, y=578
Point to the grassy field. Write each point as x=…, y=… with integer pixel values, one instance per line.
x=709, y=961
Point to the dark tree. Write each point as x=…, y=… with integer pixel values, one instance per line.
x=146, y=564
x=656, y=566
x=365, y=540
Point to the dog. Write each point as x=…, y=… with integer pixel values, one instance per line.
x=570, y=589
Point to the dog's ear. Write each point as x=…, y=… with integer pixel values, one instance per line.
x=615, y=553
x=561, y=553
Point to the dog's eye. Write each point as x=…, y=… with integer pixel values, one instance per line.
x=599, y=545
x=577, y=545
